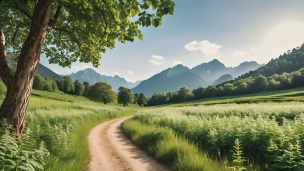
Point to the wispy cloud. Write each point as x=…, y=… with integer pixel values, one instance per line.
x=204, y=46
x=157, y=57
x=239, y=53
x=157, y=63
x=130, y=72
x=156, y=60
x=177, y=62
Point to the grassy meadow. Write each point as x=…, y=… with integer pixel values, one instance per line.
x=55, y=136
x=289, y=95
x=262, y=131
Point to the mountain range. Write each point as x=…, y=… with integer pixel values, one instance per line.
x=169, y=80
x=205, y=74
x=91, y=76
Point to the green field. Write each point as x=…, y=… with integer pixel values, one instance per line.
x=262, y=131
x=56, y=130
x=296, y=94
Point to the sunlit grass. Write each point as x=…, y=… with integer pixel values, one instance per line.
x=63, y=123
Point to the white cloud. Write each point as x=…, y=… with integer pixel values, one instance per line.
x=157, y=57
x=116, y=73
x=237, y=54
x=157, y=63
x=177, y=62
x=253, y=49
x=130, y=72
x=205, y=46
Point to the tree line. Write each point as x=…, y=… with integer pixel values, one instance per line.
x=100, y=91
x=232, y=87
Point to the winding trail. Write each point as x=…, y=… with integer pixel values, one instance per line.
x=112, y=151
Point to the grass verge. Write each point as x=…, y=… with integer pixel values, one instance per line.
x=168, y=148
x=77, y=154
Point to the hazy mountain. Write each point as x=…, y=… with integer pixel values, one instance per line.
x=244, y=68
x=169, y=80
x=46, y=72
x=223, y=78
x=42, y=70
x=289, y=62
x=212, y=70
x=91, y=76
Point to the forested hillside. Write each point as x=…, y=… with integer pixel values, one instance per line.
x=284, y=72
x=290, y=61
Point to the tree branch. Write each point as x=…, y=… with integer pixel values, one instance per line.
x=100, y=11
x=21, y=10
x=66, y=25
x=17, y=29
x=70, y=34
x=109, y=8
x=5, y=73
x=53, y=22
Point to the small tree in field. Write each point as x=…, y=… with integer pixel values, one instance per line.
x=125, y=96
x=142, y=100
x=66, y=31
x=102, y=92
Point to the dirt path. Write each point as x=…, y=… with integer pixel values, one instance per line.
x=112, y=151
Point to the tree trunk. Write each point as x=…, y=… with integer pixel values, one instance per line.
x=19, y=88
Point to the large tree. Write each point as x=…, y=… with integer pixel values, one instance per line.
x=65, y=31
x=125, y=96
x=102, y=92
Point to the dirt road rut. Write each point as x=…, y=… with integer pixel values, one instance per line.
x=112, y=151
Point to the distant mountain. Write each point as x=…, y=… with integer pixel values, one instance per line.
x=244, y=68
x=42, y=70
x=46, y=72
x=291, y=61
x=91, y=76
x=173, y=79
x=212, y=70
x=169, y=80
x=223, y=78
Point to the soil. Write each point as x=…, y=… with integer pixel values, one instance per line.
x=112, y=151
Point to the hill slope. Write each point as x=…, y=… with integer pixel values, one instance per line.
x=288, y=62
x=171, y=79
x=223, y=78
x=212, y=70
x=41, y=69
x=91, y=76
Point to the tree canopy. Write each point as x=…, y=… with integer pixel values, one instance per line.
x=102, y=92
x=66, y=31
x=125, y=96
x=82, y=30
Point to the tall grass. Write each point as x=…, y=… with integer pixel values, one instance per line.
x=168, y=148
x=62, y=125
x=270, y=133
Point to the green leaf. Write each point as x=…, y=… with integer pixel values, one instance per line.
x=155, y=22
x=140, y=36
x=148, y=21
x=172, y=3
x=9, y=162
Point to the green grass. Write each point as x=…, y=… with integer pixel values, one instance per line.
x=296, y=94
x=63, y=123
x=77, y=155
x=162, y=144
x=271, y=134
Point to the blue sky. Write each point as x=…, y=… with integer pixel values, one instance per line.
x=232, y=31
